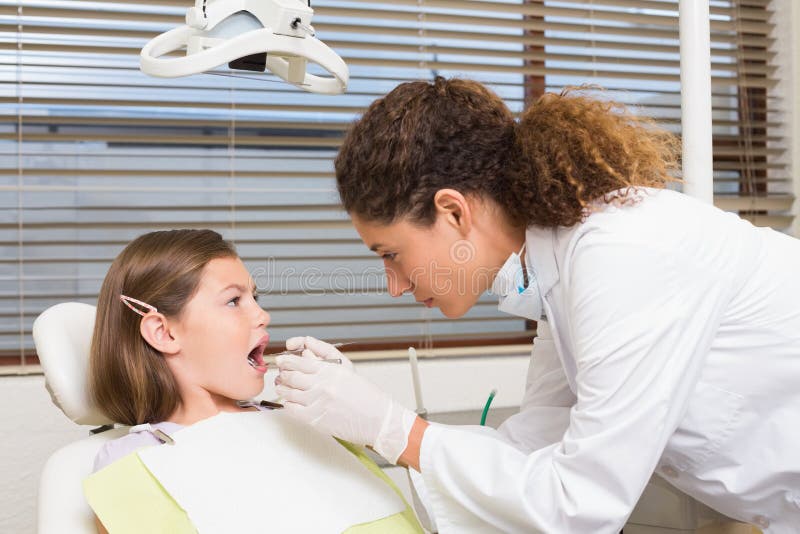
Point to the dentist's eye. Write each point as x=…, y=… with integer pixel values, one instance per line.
x=234, y=302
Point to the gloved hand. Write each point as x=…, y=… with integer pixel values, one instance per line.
x=335, y=400
x=314, y=348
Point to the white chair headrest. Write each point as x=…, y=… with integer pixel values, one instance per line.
x=63, y=337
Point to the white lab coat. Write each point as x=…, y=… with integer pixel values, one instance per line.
x=676, y=350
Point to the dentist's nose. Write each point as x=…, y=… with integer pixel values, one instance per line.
x=396, y=282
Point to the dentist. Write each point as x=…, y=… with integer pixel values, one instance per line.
x=675, y=326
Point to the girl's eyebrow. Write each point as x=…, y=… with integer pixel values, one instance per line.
x=239, y=287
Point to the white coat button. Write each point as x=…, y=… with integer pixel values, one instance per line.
x=761, y=521
x=669, y=471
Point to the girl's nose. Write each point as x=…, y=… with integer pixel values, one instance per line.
x=262, y=318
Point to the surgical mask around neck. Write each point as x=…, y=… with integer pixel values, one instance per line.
x=515, y=297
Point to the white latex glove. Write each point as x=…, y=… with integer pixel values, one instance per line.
x=335, y=400
x=313, y=347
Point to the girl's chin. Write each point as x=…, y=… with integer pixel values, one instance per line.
x=258, y=387
x=249, y=390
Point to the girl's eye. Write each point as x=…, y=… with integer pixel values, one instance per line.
x=255, y=297
x=234, y=301
x=389, y=256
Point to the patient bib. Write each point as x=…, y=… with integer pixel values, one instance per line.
x=270, y=474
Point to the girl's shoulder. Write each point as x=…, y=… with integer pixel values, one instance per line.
x=113, y=450
x=141, y=436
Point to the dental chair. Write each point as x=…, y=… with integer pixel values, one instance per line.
x=63, y=335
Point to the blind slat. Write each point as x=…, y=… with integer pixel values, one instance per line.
x=491, y=10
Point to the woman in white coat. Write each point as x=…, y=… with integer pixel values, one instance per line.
x=675, y=326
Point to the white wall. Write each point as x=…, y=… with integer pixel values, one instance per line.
x=32, y=427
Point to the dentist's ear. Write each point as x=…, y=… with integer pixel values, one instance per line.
x=154, y=328
x=456, y=209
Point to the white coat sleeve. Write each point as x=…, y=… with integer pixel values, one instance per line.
x=419, y=492
x=641, y=324
x=544, y=412
x=542, y=419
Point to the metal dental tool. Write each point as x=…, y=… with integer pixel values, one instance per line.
x=269, y=359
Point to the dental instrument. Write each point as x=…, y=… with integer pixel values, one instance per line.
x=270, y=358
x=247, y=35
x=157, y=432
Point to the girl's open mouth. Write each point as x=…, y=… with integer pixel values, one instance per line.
x=256, y=356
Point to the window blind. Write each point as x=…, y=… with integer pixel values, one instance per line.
x=631, y=48
x=96, y=153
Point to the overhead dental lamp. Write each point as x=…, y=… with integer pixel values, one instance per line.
x=248, y=35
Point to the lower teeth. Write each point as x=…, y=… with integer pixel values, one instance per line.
x=251, y=361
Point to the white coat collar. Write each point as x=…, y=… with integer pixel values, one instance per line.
x=540, y=253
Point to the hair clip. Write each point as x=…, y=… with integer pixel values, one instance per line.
x=128, y=300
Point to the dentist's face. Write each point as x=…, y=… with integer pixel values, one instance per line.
x=438, y=265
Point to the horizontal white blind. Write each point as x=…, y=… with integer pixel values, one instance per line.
x=631, y=48
x=95, y=153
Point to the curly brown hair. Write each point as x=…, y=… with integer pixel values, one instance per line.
x=565, y=152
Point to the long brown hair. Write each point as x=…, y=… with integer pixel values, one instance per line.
x=128, y=379
x=565, y=152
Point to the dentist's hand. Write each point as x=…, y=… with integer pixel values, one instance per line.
x=335, y=400
x=313, y=347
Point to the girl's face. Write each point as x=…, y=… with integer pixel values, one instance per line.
x=439, y=265
x=218, y=329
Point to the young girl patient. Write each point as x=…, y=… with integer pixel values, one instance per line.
x=178, y=340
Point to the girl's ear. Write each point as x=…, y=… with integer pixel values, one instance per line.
x=154, y=328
